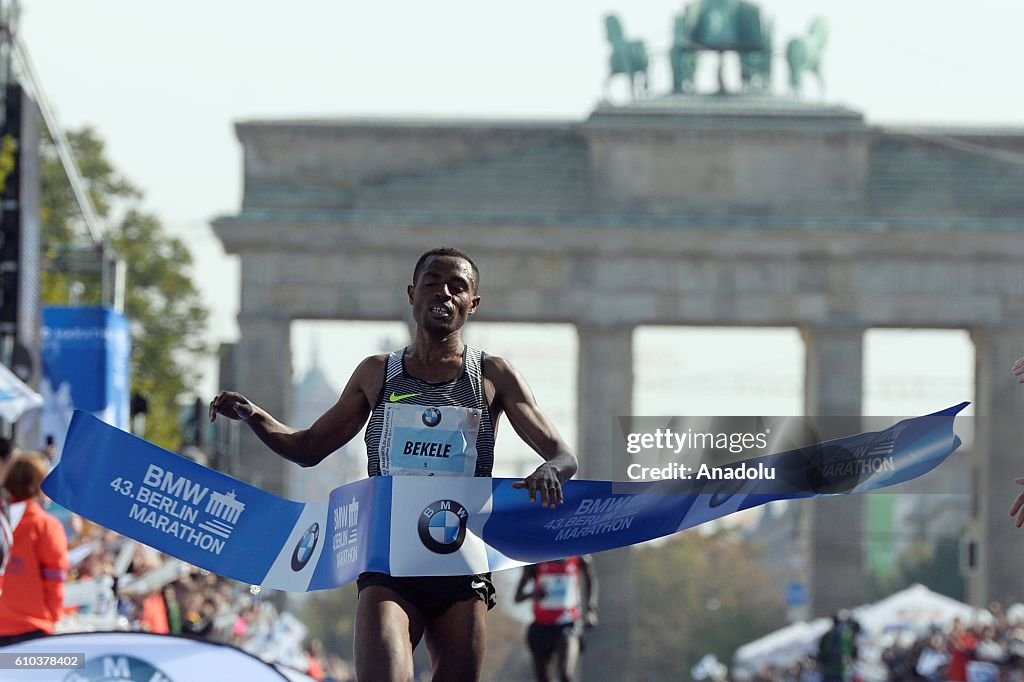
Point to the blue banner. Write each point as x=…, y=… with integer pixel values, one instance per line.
x=412, y=525
x=86, y=355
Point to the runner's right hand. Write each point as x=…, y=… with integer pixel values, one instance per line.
x=232, y=405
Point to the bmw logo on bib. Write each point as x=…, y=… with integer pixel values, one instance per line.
x=442, y=526
x=305, y=546
x=431, y=416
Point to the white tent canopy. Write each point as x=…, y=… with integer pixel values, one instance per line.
x=783, y=646
x=914, y=609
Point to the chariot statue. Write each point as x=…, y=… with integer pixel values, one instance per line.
x=722, y=26
x=718, y=26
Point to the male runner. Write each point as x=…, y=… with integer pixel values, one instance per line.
x=459, y=386
x=564, y=596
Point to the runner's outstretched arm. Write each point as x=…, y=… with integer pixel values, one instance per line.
x=337, y=426
x=516, y=399
x=529, y=572
x=1017, y=509
x=1018, y=370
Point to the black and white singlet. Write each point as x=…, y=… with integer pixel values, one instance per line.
x=418, y=428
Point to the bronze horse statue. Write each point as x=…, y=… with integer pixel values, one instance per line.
x=804, y=54
x=629, y=57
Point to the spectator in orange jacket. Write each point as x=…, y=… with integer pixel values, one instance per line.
x=34, y=582
x=6, y=532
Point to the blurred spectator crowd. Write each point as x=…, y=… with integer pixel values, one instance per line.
x=988, y=649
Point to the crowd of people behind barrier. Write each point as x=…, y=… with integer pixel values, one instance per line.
x=990, y=648
x=195, y=603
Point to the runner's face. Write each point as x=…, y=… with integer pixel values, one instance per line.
x=444, y=296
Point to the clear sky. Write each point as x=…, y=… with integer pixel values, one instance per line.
x=164, y=82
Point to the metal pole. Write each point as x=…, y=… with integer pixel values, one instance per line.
x=60, y=140
x=105, y=275
x=5, y=61
x=120, y=278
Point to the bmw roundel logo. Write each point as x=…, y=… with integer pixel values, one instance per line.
x=442, y=526
x=304, y=547
x=431, y=416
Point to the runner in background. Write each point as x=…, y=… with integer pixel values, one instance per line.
x=564, y=596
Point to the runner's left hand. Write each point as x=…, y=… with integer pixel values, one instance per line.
x=1018, y=505
x=544, y=482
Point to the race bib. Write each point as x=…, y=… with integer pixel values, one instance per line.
x=429, y=441
x=560, y=591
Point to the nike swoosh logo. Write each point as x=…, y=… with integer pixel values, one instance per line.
x=478, y=584
x=396, y=398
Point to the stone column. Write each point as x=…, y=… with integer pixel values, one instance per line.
x=998, y=456
x=604, y=392
x=263, y=372
x=833, y=385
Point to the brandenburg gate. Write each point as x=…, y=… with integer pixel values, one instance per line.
x=745, y=210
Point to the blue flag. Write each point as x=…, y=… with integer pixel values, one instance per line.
x=411, y=525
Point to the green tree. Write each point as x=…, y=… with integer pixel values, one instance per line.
x=162, y=303
x=936, y=566
x=698, y=595
x=939, y=570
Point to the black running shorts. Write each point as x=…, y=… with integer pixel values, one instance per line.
x=544, y=640
x=433, y=595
